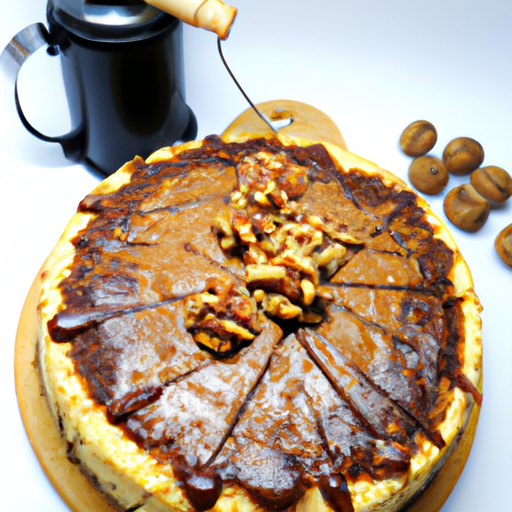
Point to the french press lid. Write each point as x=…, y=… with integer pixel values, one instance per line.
x=109, y=20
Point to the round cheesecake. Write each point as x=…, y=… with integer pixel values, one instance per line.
x=258, y=325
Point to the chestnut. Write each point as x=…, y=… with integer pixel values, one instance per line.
x=493, y=183
x=463, y=155
x=465, y=208
x=503, y=245
x=428, y=174
x=418, y=138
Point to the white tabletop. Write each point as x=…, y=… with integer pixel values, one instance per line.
x=374, y=66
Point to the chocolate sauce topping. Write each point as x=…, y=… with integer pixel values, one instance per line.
x=254, y=315
x=202, y=486
x=334, y=489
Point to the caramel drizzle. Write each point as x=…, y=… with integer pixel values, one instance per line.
x=67, y=324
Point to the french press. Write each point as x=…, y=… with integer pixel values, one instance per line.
x=122, y=65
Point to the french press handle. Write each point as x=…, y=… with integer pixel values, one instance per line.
x=14, y=55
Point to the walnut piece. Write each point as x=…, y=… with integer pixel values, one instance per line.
x=222, y=317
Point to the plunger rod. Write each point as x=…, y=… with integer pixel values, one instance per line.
x=213, y=15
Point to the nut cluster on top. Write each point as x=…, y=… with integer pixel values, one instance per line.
x=286, y=252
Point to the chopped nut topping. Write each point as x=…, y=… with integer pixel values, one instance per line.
x=244, y=229
x=236, y=196
x=255, y=255
x=308, y=289
x=221, y=318
x=258, y=295
x=286, y=250
x=279, y=305
x=223, y=222
x=264, y=273
x=264, y=222
x=262, y=199
x=228, y=243
x=268, y=179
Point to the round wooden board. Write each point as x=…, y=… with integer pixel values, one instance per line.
x=76, y=489
x=42, y=431
x=309, y=123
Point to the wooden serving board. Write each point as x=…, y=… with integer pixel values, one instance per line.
x=309, y=123
x=43, y=433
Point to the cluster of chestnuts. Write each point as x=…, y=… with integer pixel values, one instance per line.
x=468, y=205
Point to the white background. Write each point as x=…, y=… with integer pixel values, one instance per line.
x=374, y=66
